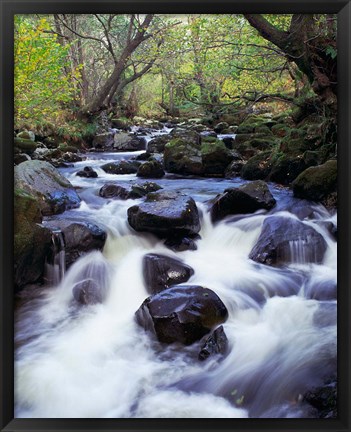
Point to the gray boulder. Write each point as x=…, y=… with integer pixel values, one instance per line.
x=125, y=142
x=54, y=193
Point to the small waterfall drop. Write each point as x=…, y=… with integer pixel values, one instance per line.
x=55, y=262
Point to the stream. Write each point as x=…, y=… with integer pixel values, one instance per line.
x=97, y=362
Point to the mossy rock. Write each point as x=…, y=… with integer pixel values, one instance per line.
x=294, y=146
x=262, y=143
x=67, y=148
x=285, y=169
x=242, y=138
x=31, y=240
x=316, y=183
x=25, y=145
x=183, y=157
x=263, y=129
x=258, y=167
x=27, y=135
x=215, y=158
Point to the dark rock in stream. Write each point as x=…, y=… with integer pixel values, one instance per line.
x=216, y=343
x=87, y=293
x=122, y=167
x=80, y=237
x=182, y=314
x=112, y=190
x=284, y=240
x=151, y=169
x=166, y=214
x=324, y=399
x=247, y=198
x=181, y=244
x=54, y=193
x=160, y=272
x=87, y=172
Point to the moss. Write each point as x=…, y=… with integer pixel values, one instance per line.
x=26, y=145
x=263, y=129
x=210, y=147
x=262, y=143
x=316, y=183
x=258, y=167
x=208, y=139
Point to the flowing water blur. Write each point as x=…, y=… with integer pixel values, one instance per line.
x=96, y=362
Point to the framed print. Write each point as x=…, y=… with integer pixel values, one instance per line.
x=175, y=197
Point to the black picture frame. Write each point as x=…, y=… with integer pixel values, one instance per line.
x=7, y=10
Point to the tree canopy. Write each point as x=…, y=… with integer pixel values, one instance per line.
x=70, y=66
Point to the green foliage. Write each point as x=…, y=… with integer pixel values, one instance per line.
x=42, y=89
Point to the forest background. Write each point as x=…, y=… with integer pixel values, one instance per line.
x=72, y=72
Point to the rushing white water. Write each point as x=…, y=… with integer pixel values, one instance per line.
x=55, y=267
x=95, y=361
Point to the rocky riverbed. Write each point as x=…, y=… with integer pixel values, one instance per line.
x=179, y=271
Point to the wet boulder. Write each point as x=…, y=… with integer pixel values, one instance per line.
x=122, y=167
x=125, y=142
x=80, y=237
x=182, y=314
x=54, y=193
x=111, y=190
x=151, y=169
x=216, y=343
x=161, y=271
x=88, y=292
x=87, y=172
x=285, y=240
x=247, y=198
x=165, y=214
x=140, y=190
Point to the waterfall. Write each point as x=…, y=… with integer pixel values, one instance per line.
x=55, y=262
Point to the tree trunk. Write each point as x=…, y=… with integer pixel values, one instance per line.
x=111, y=85
x=307, y=48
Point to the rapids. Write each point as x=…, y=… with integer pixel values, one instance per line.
x=96, y=362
